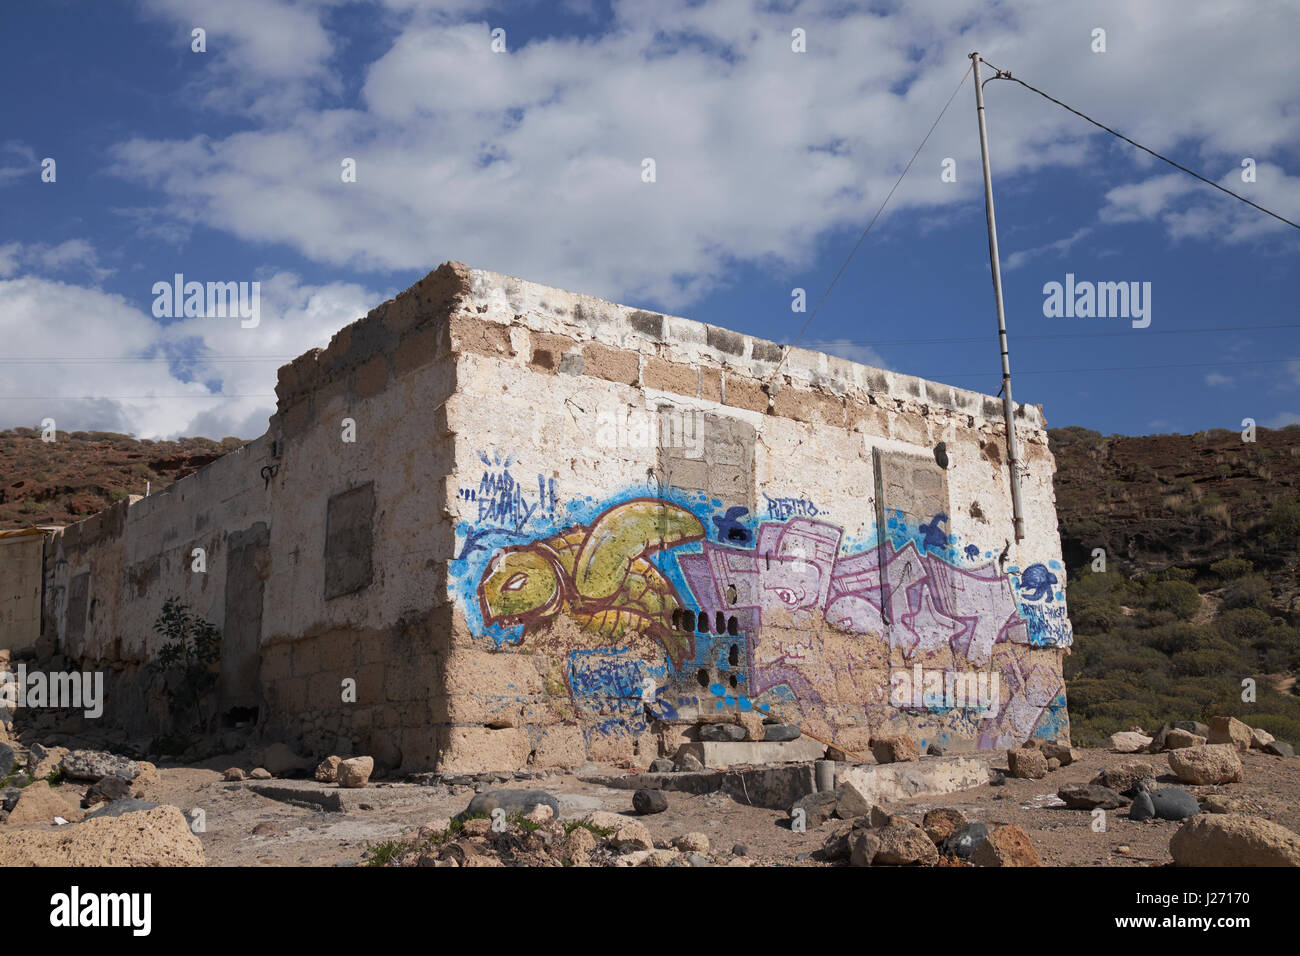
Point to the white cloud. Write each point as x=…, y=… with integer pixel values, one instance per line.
x=73, y=256
x=529, y=162
x=1216, y=379
x=92, y=361
x=1059, y=247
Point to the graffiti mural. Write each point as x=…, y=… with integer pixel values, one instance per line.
x=692, y=605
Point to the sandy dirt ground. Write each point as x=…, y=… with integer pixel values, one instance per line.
x=246, y=828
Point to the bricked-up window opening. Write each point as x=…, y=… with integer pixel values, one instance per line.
x=918, y=488
x=349, y=538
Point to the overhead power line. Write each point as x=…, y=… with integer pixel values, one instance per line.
x=862, y=237
x=1054, y=335
x=1006, y=75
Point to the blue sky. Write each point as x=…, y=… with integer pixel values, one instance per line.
x=225, y=166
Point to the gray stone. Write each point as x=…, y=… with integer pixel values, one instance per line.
x=511, y=801
x=662, y=765
x=779, y=732
x=6, y=760
x=106, y=790
x=94, y=764
x=721, y=733
x=119, y=807
x=1193, y=727
x=1143, y=808
x=934, y=750
x=817, y=808
x=1174, y=803
x=739, y=850
x=646, y=801
x=1279, y=748
x=689, y=763
x=963, y=843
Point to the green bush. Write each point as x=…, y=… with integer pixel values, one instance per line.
x=1230, y=568
x=1178, y=597
x=1251, y=590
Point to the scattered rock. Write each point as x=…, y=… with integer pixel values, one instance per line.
x=1027, y=763
x=43, y=761
x=1053, y=764
x=1220, y=803
x=1279, y=748
x=327, y=771
x=963, y=843
x=942, y=824
x=721, y=733
x=934, y=750
x=575, y=848
x=1142, y=808
x=1194, y=727
x=41, y=803
x=1234, y=840
x=542, y=813
x=781, y=732
x=234, y=774
x=863, y=847
x=1006, y=846
x=850, y=802
x=1229, y=730
x=1124, y=776
x=627, y=834
x=267, y=828
x=689, y=763
x=997, y=778
x=259, y=773
x=6, y=760
x=514, y=802
x=903, y=843
x=817, y=808
x=1209, y=764
x=157, y=837
x=894, y=749
x=880, y=818
x=740, y=849
x=1179, y=739
x=1174, y=803
x=106, y=790
x=354, y=773
x=692, y=843
x=662, y=765
x=1058, y=751
x=93, y=764
x=1260, y=738
x=646, y=801
x=1129, y=742
x=1079, y=796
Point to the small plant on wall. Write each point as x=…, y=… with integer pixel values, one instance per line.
x=189, y=665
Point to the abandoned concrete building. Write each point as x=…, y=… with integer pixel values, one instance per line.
x=496, y=525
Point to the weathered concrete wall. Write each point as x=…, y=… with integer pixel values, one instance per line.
x=21, y=557
x=665, y=535
x=562, y=526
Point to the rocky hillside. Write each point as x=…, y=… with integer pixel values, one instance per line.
x=80, y=473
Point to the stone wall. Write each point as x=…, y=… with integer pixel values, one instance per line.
x=495, y=524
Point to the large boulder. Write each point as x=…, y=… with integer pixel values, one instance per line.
x=355, y=772
x=962, y=844
x=816, y=808
x=894, y=749
x=157, y=837
x=1053, y=750
x=1125, y=775
x=1027, y=763
x=1006, y=846
x=1179, y=739
x=41, y=803
x=1174, y=803
x=903, y=843
x=1232, y=839
x=646, y=801
x=94, y=764
x=943, y=823
x=1210, y=764
x=625, y=835
x=1129, y=742
x=1279, y=748
x=1229, y=730
x=513, y=802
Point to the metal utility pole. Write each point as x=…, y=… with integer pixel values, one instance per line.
x=1008, y=406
